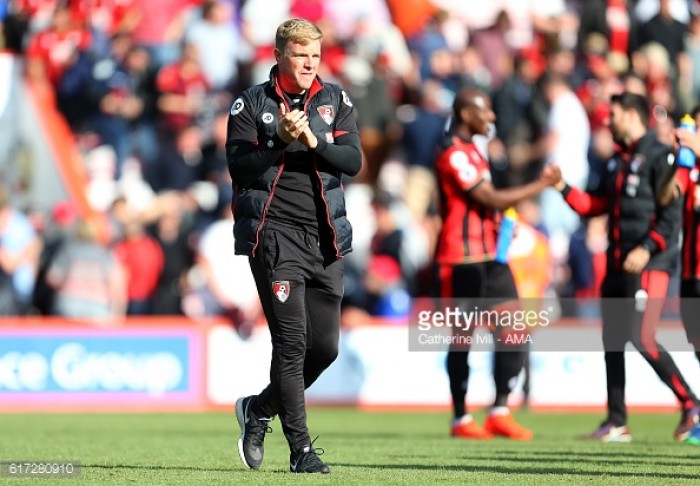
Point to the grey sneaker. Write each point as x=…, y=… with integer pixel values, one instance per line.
x=306, y=460
x=689, y=419
x=253, y=429
x=609, y=432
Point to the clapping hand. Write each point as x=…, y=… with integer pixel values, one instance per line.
x=292, y=124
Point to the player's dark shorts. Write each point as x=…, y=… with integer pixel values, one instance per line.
x=490, y=281
x=477, y=287
x=690, y=310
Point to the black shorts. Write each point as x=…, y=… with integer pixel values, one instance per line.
x=490, y=281
x=690, y=310
x=476, y=287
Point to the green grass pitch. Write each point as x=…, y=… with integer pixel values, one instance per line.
x=361, y=448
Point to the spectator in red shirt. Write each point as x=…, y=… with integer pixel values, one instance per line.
x=183, y=88
x=104, y=19
x=161, y=26
x=142, y=258
x=51, y=50
x=313, y=10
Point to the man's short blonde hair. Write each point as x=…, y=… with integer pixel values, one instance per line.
x=296, y=30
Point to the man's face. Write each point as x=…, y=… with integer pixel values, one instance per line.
x=617, y=122
x=480, y=114
x=298, y=65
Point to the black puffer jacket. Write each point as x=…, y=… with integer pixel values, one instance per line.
x=256, y=157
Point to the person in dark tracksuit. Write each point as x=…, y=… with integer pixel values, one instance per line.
x=290, y=141
x=641, y=255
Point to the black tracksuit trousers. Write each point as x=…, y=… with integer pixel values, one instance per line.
x=632, y=307
x=300, y=287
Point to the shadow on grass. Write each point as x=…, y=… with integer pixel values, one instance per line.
x=373, y=436
x=142, y=467
x=521, y=470
x=189, y=432
x=618, y=453
x=602, y=459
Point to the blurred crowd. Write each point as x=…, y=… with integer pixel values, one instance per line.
x=146, y=87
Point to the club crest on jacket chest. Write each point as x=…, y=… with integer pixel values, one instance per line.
x=327, y=113
x=636, y=163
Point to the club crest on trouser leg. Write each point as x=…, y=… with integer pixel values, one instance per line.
x=281, y=289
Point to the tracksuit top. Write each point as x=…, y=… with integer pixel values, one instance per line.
x=627, y=194
x=257, y=158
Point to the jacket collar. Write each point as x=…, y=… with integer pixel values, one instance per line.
x=636, y=146
x=274, y=85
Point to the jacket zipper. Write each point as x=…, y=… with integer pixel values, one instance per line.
x=328, y=212
x=318, y=176
x=267, y=205
x=323, y=190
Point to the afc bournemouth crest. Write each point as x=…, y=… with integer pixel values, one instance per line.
x=636, y=163
x=327, y=113
x=281, y=290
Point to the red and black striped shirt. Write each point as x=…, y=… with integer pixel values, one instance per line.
x=688, y=183
x=469, y=229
